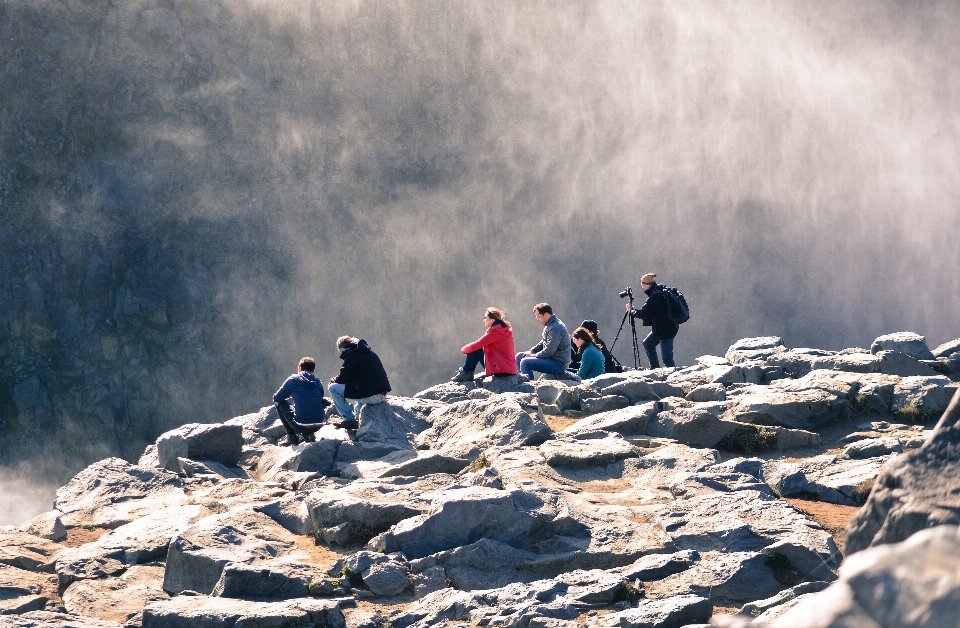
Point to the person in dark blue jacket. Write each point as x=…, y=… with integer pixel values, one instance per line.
x=653, y=313
x=307, y=415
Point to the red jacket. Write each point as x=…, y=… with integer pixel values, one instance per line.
x=498, y=352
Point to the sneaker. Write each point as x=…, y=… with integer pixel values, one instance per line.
x=462, y=376
x=352, y=424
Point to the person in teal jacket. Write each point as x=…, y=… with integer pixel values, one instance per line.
x=591, y=361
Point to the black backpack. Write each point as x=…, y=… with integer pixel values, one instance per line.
x=677, y=309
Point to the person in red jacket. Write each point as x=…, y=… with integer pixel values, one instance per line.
x=494, y=350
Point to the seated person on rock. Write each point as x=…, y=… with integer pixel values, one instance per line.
x=361, y=380
x=552, y=354
x=493, y=350
x=307, y=415
x=591, y=359
x=610, y=363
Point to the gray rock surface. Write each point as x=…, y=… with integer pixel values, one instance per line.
x=119, y=598
x=630, y=420
x=466, y=428
x=285, y=580
x=674, y=612
x=572, y=452
x=908, y=342
x=947, y=349
x=386, y=579
x=872, y=448
x=754, y=348
x=316, y=457
x=917, y=490
x=903, y=365
x=47, y=525
x=217, y=441
x=26, y=551
x=199, y=611
x=113, y=492
x=831, y=478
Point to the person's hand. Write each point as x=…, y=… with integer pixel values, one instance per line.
x=627, y=305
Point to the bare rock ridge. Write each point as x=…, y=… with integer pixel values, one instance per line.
x=647, y=498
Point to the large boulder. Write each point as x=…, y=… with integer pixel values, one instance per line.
x=588, y=452
x=837, y=479
x=903, y=365
x=26, y=551
x=47, y=525
x=947, y=349
x=802, y=409
x=737, y=576
x=113, y=492
x=760, y=348
x=316, y=457
x=628, y=421
x=221, y=442
x=357, y=518
x=907, y=342
x=22, y=590
x=923, y=399
x=278, y=581
x=672, y=612
x=197, y=556
x=912, y=583
x=919, y=489
x=466, y=428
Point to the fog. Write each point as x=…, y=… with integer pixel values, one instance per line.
x=195, y=195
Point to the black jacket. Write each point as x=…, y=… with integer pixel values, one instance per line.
x=362, y=372
x=653, y=313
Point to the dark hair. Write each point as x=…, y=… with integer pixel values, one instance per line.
x=497, y=316
x=584, y=334
x=590, y=326
x=543, y=308
x=307, y=364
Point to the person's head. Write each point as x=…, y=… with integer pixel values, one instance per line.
x=648, y=281
x=543, y=312
x=591, y=326
x=346, y=342
x=307, y=364
x=495, y=316
x=582, y=337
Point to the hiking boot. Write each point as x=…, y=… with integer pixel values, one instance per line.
x=309, y=437
x=462, y=376
x=352, y=424
x=292, y=439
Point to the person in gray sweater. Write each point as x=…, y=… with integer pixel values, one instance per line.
x=550, y=355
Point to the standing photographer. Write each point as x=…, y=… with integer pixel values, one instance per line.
x=653, y=313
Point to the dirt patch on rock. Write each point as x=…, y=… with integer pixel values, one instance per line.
x=833, y=518
x=558, y=423
x=80, y=536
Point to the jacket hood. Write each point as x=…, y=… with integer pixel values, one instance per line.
x=360, y=346
x=499, y=330
x=307, y=377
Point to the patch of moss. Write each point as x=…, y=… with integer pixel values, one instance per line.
x=629, y=592
x=913, y=414
x=862, y=491
x=480, y=463
x=856, y=406
x=748, y=438
x=783, y=570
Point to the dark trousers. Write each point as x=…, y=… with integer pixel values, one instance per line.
x=290, y=423
x=472, y=360
x=666, y=348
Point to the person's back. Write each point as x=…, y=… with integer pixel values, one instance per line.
x=362, y=372
x=307, y=393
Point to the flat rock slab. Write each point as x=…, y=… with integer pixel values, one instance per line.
x=316, y=457
x=203, y=612
x=361, y=515
x=575, y=453
x=404, y=463
x=215, y=441
x=197, y=555
x=392, y=425
x=741, y=521
x=930, y=395
x=673, y=612
x=113, y=492
x=28, y=552
x=740, y=576
x=140, y=541
x=801, y=409
x=873, y=448
x=632, y=420
x=52, y=619
x=912, y=583
x=116, y=599
x=466, y=428
x=831, y=478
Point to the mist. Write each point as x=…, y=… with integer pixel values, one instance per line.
x=195, y=195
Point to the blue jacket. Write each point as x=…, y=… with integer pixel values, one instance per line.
x=591, y=363
x=555, y=343
x=307, y=393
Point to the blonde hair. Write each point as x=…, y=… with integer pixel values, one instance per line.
x=498, y=316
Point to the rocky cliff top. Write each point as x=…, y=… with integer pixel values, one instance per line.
x=646, y=498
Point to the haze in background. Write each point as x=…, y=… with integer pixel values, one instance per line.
x=193, y=195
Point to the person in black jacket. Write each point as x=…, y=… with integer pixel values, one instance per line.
x=609, y=362
x=361, y=380
x=653, y=313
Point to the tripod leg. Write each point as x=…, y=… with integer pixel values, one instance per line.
x=624, y=320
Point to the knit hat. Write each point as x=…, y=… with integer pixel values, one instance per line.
x=648, y=278
x=590, y=326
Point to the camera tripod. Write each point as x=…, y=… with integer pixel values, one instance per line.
x=633, y=330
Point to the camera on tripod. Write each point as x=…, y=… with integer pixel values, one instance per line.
x=627, y=293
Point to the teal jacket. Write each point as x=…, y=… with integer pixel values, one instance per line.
x=591, y=364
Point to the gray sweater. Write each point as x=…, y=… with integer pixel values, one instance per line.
x=555, y=344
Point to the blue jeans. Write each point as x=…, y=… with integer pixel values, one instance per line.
x=527, y=365
x=472, y=360
x=344, y=407
x=666, y=348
